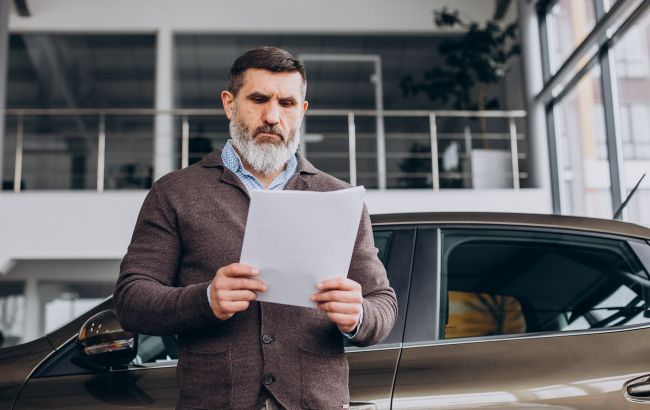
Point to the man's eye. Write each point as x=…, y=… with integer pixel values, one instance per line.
x=259, y=100
x=286, y=103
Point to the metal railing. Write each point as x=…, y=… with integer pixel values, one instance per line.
x=97, y=144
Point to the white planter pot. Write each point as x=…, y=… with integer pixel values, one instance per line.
x=491, y=169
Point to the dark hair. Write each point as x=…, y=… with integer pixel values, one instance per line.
x=272, y=59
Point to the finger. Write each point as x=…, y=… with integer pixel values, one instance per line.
x=339, y=283
x=338, y=307
x=343, y=319
x=236, y=295
x=239, y=269
x=241, y=284
x=338, y=296
x=234, y=307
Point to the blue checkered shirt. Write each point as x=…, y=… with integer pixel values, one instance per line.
x=232, y=161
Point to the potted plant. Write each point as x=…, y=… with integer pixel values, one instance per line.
x=470, y=63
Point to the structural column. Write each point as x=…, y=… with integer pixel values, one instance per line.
x=4, y=52
x=163, y=159
x=536, y=120
x=32, y=316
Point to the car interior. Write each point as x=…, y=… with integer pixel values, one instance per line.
x=499, y=284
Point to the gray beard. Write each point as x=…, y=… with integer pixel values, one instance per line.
x=264, y=158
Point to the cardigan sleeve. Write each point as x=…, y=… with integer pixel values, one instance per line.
x=145, y=298
x=379, y=301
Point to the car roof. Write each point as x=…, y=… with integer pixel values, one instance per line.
x=517, y=219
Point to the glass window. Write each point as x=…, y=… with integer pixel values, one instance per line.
x=81, y=71
x=631, y=53
x=395, y=250
x=499, y=282
x=582, y=151
x=568, y=23
x=156, y=349
x=60, y=302
x=632, y=72
x=49, y=70
x=12, y=313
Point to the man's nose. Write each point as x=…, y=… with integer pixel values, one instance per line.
x=272, y=113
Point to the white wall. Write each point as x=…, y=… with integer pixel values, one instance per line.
x=366, y=16
x=66, y=225
x=92, y=226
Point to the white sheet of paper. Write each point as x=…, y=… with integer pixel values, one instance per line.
x=298, y=238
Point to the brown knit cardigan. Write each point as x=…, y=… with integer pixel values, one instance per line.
x=192, y=223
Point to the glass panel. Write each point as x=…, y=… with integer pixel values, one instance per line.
x=81, y=70
x=341, y=84
x=568, y=23
x=156, y=349
x=60, y=302
x=475, y=153
x=9, y=151
x=60, y=152
x=129, y=152
x=632, y=68
x=366, y=146
x=203, y=60
x=395, y=247
x=207, y=132
x=408, y=153
x=326, y=145
x=582, y=150
x=513, y=282
x=12, y=313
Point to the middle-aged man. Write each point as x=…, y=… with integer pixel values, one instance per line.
x=235, y=352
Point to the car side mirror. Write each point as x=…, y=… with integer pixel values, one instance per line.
x=103, y=343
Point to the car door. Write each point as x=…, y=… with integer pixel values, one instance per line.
x=372, y=369
x=150, y=380
x=524, y=318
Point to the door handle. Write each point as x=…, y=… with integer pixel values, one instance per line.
x=638, y=389
x=358, y=405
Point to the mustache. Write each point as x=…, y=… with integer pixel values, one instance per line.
x=269, y=129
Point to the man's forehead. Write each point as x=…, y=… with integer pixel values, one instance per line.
x=286, y=84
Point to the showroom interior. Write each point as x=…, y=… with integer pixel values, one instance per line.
x=99, y=99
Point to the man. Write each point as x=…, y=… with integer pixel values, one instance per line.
x=181, y=276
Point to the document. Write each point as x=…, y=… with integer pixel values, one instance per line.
x=298, y=238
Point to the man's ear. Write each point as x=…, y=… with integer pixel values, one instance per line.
x=227, y=99
x=305, y=105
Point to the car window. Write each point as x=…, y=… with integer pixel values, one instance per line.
x=500, y=282
x=156, y=349
x=395, y=250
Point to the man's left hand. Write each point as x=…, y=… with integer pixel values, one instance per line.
x=341, y=299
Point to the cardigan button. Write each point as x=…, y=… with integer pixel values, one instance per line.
x=266, y=339
x=268, y=379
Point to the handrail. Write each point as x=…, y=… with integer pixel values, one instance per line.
x=186, y=113
x=217, y=111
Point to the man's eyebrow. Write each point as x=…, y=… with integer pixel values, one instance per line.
x=257, y=94
x=288, y=99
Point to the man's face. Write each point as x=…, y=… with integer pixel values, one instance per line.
x=265, y=118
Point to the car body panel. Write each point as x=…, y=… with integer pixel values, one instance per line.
x=558, y=371
x=16, y=364
x=152, y=388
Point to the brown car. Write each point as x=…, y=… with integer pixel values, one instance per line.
x=502, y=311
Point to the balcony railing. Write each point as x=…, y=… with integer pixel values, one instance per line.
x=110, y=149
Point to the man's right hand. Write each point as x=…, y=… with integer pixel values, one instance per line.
x=233, y=288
